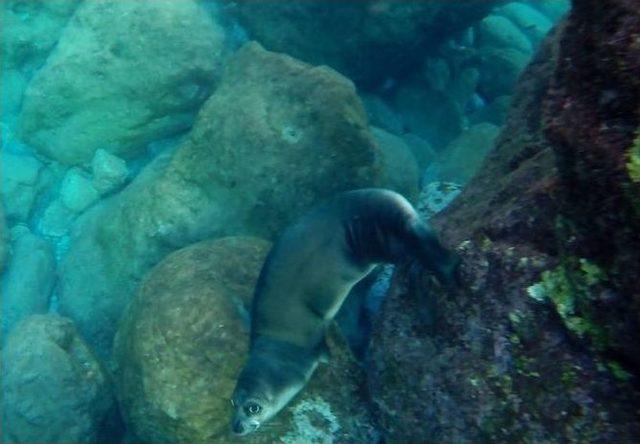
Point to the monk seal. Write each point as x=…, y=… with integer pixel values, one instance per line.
x=304, y=281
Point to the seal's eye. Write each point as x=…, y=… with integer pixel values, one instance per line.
x=252, y=409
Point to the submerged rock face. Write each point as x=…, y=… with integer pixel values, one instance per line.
x=54, y=390
x=391, y=37
x=183, y=341
x=541, y=342
x=123, y=74
x=277, y=137
x=4, y=239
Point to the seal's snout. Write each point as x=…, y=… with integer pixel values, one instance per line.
x=241, y=428
x=238, y=428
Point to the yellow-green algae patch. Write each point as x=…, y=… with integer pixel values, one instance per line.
x=633, y=163
x=570, y=288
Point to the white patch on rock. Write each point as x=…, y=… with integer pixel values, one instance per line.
x=307, y=415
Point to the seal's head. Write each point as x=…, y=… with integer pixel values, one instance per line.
x=273, y=375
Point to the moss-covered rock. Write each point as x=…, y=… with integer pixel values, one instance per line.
x=54, y=390
x=182, y=343
x=633, y=162
x=122, y=75
x=277, y=137
x=547, y=217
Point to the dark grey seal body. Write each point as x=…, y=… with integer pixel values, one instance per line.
x=306, y=278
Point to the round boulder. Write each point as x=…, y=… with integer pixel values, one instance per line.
x=183, y=340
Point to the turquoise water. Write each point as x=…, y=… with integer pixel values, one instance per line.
x=153, y=151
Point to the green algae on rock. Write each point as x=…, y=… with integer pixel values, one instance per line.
x=122, y=74
x=233, y=173
x=54, y=389
x=182, y=343
x=633, y=163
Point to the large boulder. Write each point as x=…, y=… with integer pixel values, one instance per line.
x=277, y=137
x=54, y=390
x=182, y=343
x=121, y=75
x=369, y=41
x=540, y=343
x=29, y=279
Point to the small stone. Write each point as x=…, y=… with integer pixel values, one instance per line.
x=30, y=277
x=77, y=192
x=56, y=220
x=19, y=184
x=109, y=171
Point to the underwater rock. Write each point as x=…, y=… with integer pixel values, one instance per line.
x=76, y=192
x=109, y=171
x=54, y=390
x=592, y=122
x=433, y=115
x=35, y=26
x=464, y=155
x=391, y=39
x=140, y=69
x=29, y=279
x=540, y=343
x=4, y=239
x=533, y=23
x=500, y=69
x=496, y=31
x=420, y=148
x=435, y=197
x=399, y=166
x=276, y=137
x=382, y=115
x=56, y=220
x=19, y=184
x=183, y=341
x=554, y=9
x=495, y=112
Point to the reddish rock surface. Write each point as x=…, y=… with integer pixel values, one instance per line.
x=541, y=343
